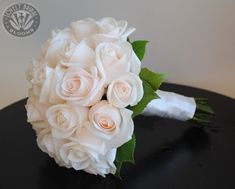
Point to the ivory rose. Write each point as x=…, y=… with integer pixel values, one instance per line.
x=126, y=90
x=80, y=87
x=112, y=59
x=48, y=90
x=36, y=113
x=113, y=28
x=63, y=48
x=36, y=75
x=45, y=142
x=51, y=145
x=109, y=124
x=84, y=28
x=104, y=166
x=53, y=49
x=81, y=157
x=79, y=55
x=35, y=109
x=65, y=119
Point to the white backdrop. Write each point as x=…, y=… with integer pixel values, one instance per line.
x=192, y=40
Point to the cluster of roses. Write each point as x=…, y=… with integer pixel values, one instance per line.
x=82, y=84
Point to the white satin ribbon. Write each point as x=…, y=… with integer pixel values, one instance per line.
x=171, y=105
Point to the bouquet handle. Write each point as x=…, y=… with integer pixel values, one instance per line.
x=179, y=107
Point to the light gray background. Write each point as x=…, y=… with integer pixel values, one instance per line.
x=192, y=40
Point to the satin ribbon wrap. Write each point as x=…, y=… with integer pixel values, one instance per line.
x=171, y=105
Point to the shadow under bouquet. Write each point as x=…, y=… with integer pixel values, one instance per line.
x=87, y=85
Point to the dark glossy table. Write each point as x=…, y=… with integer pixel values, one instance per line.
x=170, y=154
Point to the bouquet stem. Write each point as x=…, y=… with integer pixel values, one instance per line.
x=204, y=114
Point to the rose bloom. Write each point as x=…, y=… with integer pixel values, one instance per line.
x=51, y=145
x=112, y=28
x=108, y=127
x=52, y=50
x=126, y=90
x=91, y=160
x=107, y=26
x=80, y=55
x=36, y=113
x=65, y=119
x=80, y=87
x=48, y=90
x=112, y=59
x=65, y=49
x=36, y=75
x=84, y=28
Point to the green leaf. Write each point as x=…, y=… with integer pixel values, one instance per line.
x=139, y=48
x=154, y=79
x=118, y=172
x=125, y=153
x=149, y=95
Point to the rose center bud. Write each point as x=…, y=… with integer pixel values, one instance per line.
x=81, y=155
x=107, y=124
x=71, y=85
x=79, y=86
x=62, y=121
x=123, y=90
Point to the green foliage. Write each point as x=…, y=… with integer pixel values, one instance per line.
x=149, y=95
x=151, y=82
x=139, y=48
x=153, y=78
x=204, y=114
x=125, y=153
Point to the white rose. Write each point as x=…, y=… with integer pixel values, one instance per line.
x=88, y=140
x=109, y=124
x=54, y=48
x=104, y=166
x=84, y=28
x=126, y=90
x=74, y=155
x=81, y=87
x=113, y=28
x=112, y=59
x=36, y=75
x=45, y=142
x=79, y=55
x=80, y=157
x=65, y=119
x=36, y=111
x=48, y=90
x=50, y=145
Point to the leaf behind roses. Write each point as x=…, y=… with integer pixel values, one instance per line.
x=139, y=48
x=154, y=79
x=125, y=153
x=149, y=95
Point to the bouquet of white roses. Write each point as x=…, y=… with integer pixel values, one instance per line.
x=87, y=86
